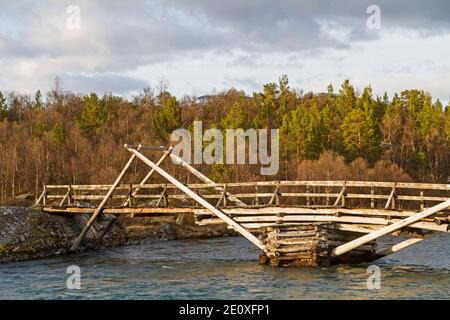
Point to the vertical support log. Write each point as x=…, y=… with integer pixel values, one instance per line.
x=99, y=209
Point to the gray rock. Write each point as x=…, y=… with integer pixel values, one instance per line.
x=28, y=234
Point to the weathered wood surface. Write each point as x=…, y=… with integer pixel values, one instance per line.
x=389, y=229
x=311, y=245
x=379, y=194
x=199, y=199
x=102, y=204
x=293, y=222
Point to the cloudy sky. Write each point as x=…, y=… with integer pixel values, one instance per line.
x=202, y=46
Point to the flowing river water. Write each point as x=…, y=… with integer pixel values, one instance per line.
x=225, y=268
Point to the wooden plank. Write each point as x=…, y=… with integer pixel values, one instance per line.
x=259, y=223
x=305, y=210
x=120, y=211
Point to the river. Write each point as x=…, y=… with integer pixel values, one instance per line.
x=224, y=268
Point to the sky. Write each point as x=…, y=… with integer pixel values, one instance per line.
x=201, y=46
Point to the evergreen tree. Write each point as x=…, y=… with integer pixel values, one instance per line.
x=59, y=132
x=167, y=118
x=357, y=135
x=94, y=114
x=38, y=100
x=236, y=118
x=3, y=107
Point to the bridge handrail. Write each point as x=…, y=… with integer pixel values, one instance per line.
x=324, y=183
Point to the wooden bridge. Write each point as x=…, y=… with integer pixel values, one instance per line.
x=294, y=223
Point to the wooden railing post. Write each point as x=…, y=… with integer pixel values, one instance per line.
x=44, y=199
x=422, y=202
x=307, y=196
x=372, y=199
x=41, y=197
x=69, y=199
x=225, y=195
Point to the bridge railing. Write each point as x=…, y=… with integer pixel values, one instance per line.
x=386, y=195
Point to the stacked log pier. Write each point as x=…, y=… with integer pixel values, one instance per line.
x=310, y=244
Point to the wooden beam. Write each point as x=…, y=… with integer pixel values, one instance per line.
x=386, y=230
x=400, y=246
x=99, y=209
x=275, y=195
x=199, y=199
x=391, y=197
x=341, y=194
x=119, y=211
x=38, y=201
x=65, y=197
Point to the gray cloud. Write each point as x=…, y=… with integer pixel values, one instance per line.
x=117, y=84
x=120, y=36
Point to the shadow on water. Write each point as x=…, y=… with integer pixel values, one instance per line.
x=224, y=268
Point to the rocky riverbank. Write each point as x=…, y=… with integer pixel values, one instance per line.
x=27, y=234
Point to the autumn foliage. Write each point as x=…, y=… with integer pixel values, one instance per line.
x=67, y=138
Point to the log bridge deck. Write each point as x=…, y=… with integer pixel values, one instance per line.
x=293, y=223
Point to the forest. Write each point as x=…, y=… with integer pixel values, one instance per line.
x=62, y=137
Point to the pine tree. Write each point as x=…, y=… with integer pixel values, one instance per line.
x=3, y=107
x=59, y=132
x=94, y=114
x=357, y=135
x=236, y=118
x=38, y=100
x=167, y=118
